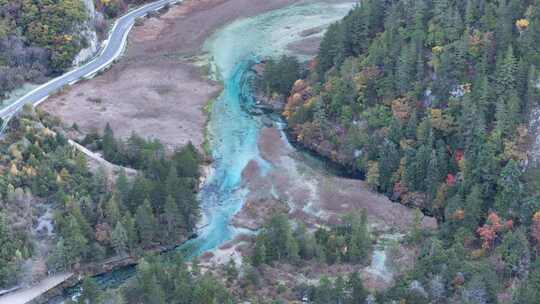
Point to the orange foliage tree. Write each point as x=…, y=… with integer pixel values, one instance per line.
x=492, y=229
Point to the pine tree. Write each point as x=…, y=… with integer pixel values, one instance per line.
x=505, y=25
x=529, y=291
x=423, y=155
x=119, y=239
x=509, y=190
x=187, y=161
x=356, y=31
x=140, y=191
x=173, y=220
x=433, y=177
x=396, y=132
x=474, y=208
x=470, y=12
x=90, y=293
x=406, y=68
x=58, y=259
x=502, y=116
x=259, y=255
x=7, y=251
x=416, y=227
x=278, y=234
x=514, y=111
x=172, y=184
x=339, y=290
x=358, y=293
x=373, y=175
x=151, y=291
x=112, y=210
x=505, y=78
x=532, y=97
x=388, y=164
x=331, y=50
x=485, y=103
x=231, y=271
x=324, y=291
x=146, y=223
x=131, y=231
x=292, y=250
x=75, y=241
x=360, y=240
x=410, y=178
x=122, y=187
x=412, y=125
x=110, y=149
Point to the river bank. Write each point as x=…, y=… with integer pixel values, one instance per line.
x=159, y=88
x=159, y=67
x=253, y=161
x=268, y=174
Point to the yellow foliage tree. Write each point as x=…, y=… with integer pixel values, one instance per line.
x=373, y=175
x=13, y=170
x=522, y=24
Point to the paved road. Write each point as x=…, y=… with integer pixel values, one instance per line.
x=112, y=50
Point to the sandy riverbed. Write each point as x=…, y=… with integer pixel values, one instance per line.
x=312, y=195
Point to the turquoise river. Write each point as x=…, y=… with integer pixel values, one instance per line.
x=232, y=129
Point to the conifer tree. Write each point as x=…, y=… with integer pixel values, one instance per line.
x=7, y=251
x=509, y=190
x=356, y=31
x=173, y=220
x=146, y=223
x=110, y=149
x=358, y=292
x=331, y=51
x=505, y=78
x=112, y=210
x=131, y=231
x=122, y=187
x=119, y=239
x=75, y=241
x=90, y=292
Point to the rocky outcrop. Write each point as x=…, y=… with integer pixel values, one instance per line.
x=88, y=31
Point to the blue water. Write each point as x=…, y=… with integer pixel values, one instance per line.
x=233, y=131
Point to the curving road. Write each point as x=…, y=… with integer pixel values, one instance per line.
x=111, y=50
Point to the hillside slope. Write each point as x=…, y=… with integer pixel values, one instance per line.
x=431, y=100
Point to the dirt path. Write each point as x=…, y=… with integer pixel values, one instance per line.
x=158, y=89
x=95, y=161
x=27, y=294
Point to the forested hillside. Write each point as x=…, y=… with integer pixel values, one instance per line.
x=41, y=38
x=37, y=38
x=93, y=217
x=431, y=100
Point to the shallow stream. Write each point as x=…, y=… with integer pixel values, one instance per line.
x=233, y=131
